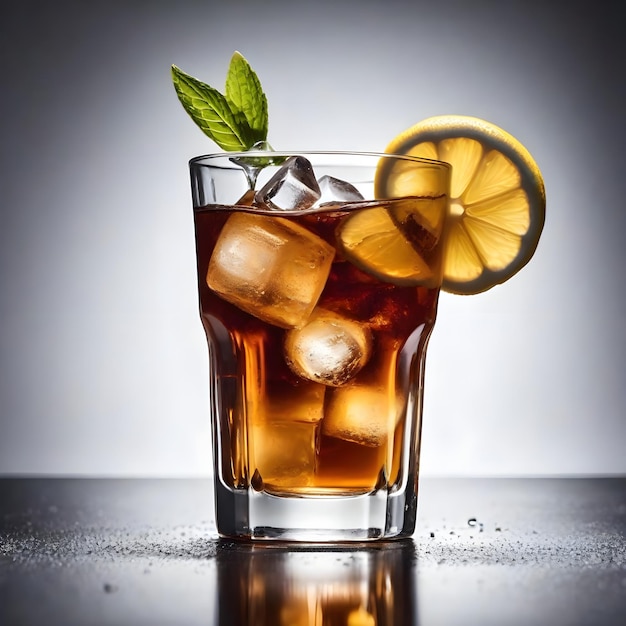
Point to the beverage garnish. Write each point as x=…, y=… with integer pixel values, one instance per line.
x=235, y=120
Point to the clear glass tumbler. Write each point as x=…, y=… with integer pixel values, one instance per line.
x=318, y=277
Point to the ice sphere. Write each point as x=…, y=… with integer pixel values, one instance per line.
x=269, y=267
x=285, y=452
x=361, y=414
x=329, y=349
x=336, y=190
x=292, y=187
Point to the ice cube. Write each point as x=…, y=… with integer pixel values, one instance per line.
x=301, y=403
x=329, y=349
x=284, y=427
x=292, y=187
x=284, y=452
x=269, y=267
x=361, y=414
x=336, y=190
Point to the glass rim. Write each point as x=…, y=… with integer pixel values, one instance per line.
x=207, y=160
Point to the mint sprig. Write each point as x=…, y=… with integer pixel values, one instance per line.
x=236, y=120
x=244, y=93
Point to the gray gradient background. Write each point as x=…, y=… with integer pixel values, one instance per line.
x=104, y=366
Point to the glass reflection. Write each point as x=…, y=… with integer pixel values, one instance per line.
x=315, y=586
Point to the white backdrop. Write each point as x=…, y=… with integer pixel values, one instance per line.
x=104, y=367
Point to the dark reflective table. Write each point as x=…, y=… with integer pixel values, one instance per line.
x=487, y=551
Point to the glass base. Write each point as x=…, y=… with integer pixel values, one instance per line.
x=253, y=515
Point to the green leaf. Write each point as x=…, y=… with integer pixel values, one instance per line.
x=211, y=111
x=244, y=94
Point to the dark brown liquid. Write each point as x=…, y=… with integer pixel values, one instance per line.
x=285, y=434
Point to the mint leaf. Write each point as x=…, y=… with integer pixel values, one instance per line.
x=211, y=111
x=245, y=95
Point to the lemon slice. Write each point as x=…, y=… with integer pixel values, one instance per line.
x=370, y=238
x=497, y=198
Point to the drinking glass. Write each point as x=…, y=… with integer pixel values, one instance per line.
x=318, y=278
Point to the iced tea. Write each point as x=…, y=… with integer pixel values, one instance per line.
x=314, y=401
x=318, y=289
